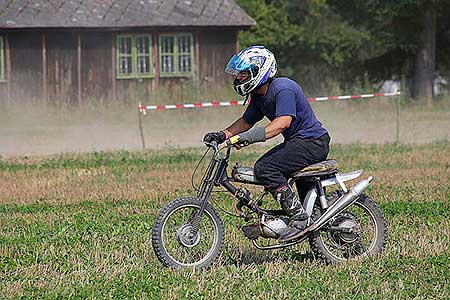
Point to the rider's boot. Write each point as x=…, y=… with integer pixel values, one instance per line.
x=298, y=218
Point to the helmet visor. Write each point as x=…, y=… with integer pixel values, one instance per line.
x=237, y=65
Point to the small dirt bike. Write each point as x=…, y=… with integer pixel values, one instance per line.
x=344, y=224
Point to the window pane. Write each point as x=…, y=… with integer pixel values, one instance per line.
x=125, y=65
x=143, y=64
x=184, y=63
x=184, y=44
x=167, y=44
x=176, y=54
x=167, y=65
x=143, y=54
x=134, y=56
x=125, y=45
x=143, y=45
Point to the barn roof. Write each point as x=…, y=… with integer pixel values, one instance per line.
x=121, y=13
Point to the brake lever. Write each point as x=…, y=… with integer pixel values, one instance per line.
x=213, y=144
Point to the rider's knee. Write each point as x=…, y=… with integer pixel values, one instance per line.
x=259, y=169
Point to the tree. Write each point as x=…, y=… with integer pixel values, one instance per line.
x=311, y=42
x=425, y=63
x=404, y=34
x=325, y=41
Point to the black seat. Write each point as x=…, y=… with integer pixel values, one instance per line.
x=322, y=168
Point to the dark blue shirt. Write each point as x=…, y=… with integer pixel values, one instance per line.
x=285, y=98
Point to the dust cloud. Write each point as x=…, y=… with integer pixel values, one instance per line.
x=35, y=129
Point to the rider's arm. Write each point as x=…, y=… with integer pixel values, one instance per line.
x=277, y=126
x=284, y=114
x=238, y=127
x=261, y=134
x=251, y=116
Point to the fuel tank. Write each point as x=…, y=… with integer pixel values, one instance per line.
x=245, y=175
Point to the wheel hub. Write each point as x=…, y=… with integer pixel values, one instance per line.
x=351, y=236
x=186, y=238
x=351, y=230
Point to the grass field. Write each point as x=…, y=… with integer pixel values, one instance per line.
x=79, y=226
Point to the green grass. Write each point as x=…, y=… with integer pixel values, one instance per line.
x=79, y=226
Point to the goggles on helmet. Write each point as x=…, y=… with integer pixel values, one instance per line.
x=237, y=65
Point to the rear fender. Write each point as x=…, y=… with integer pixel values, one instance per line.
x=340, y=178
x=311, y=197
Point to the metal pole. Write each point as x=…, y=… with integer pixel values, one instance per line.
x=141, y=131
x=397, y=117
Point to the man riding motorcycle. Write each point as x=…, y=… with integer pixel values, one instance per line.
x=283, y=102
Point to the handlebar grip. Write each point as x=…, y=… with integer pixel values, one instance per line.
x=233, y=140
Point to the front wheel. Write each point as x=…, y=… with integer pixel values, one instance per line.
x=358, y=231
x=176, y=241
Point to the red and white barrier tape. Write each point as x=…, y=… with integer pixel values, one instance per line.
x=144, y=108
x=354, y=96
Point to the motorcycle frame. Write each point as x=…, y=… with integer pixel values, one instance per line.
x=216, y=175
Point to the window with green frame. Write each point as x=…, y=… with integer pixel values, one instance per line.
x=134, y=56
x=176, y=54
x=2, y=59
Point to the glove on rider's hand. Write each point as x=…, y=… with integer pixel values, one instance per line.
x=217, y=136
x=254, y=135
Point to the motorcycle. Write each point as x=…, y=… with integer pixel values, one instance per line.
x=344, y=224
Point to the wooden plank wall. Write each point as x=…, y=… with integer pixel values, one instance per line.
x=62, y=66
x=215, y=49
x=26, y=66
x=96, y=66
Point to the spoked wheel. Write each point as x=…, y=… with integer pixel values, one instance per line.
x=358, y=231
x=176, y=241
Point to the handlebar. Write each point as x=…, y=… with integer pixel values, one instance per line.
x=234, y=140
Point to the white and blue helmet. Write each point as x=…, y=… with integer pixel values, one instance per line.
x=260, y=64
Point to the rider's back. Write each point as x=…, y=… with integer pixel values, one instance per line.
x=285, y=97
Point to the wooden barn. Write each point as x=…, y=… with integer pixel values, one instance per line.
x=77, y=50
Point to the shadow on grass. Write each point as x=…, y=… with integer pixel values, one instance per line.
x=249, y=257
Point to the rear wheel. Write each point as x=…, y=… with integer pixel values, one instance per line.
x=358, y=231
x=176, y=242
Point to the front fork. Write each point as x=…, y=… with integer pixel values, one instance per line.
x=215, y=176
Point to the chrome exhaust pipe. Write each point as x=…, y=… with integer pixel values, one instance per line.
x=342, y=203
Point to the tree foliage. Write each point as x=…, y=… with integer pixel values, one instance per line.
x=311, y=42
x=324, y=42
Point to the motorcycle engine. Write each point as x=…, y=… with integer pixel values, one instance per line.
x=267, y=228
x=274, y=227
